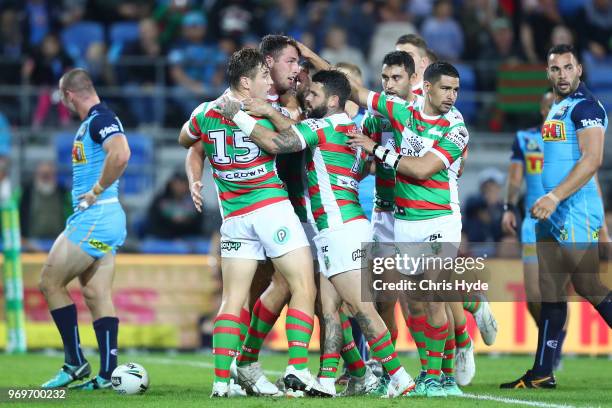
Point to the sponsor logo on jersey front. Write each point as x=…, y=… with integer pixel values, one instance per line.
x=534, y=163
x=347, y=182
x=242, y=174
x=78, y=153
x=553, y=131
x=315, y=124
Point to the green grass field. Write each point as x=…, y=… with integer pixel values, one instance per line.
x=185, y=380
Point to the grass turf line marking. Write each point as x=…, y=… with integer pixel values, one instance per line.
x=201, y=364
x=516, y=401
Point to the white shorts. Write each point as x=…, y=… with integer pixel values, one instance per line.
x=382, y=225
x=271, y=231
x=311, y=232
x=339, y=249
x=423, y=238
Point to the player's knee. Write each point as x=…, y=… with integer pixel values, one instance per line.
x=94, y=296
x=47, y=285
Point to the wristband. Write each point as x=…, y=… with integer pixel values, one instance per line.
x=509, y=207
x=397, y=161
x=244, y=122
x=380, y=152
x=97, y=189
x=553, y=197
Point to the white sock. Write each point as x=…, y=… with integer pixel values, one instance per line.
x=399, y=374
x=328, y=382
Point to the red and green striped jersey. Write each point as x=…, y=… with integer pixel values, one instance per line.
x=416, y=134
x=380, y=130
x=334, y=169
x=245, y=175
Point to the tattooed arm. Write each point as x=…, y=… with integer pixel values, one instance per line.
x=285, y=141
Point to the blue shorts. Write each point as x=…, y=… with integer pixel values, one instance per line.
x=97, y=230
x=528, y=239
x=577, y=219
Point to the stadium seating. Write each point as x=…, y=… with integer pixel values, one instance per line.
x=466, y=102
x=120, y=34
x=138, y=177
x=162, y=246
x=63, y=150
x=599, y=81
x=77, y=38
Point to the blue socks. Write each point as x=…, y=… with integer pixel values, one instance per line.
x=552, y=320
x=65, y=319
x=106, y=329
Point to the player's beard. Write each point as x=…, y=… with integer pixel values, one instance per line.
x=572, y=88
x=318, y=112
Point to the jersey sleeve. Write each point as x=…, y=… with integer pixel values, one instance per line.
x=588, y=114
x=452, y=145
x=370, y=126
x=196, y=122
x=105, y=126
x=311, y=131
x=393, y=109
x=517, y=152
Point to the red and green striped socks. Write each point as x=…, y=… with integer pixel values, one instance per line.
x=329, y=365
x=349, y=352
x=299, y=330
x=471, y=303
x=382, y=350
x=416, y=325
x=226, y=340
x=436, y=338
x=462, y=337
x=448, y=363
x=245, y=320
x=261, y=323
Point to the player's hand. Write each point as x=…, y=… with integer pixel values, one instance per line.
x=509, y=223
x=543, y=207
x=87, y=200
x=257, y=107
x=227, y=106
x=361, y=140
x=196, y=194
x=306, y=52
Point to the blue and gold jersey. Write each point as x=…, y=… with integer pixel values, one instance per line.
x=88, y=155
x=579, y=217
x=528, y=149
x=576, y=112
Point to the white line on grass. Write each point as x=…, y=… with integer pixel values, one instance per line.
x=202, y=364
x=516, y=401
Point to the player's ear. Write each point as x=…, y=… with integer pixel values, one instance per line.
x=579, y=68
x=334, y=102
x=245, y=82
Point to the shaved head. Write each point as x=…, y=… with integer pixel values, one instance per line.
x=77, y=80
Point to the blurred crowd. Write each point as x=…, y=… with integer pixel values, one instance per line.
x=182, y=45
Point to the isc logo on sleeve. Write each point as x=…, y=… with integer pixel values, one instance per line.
x=553, y=131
